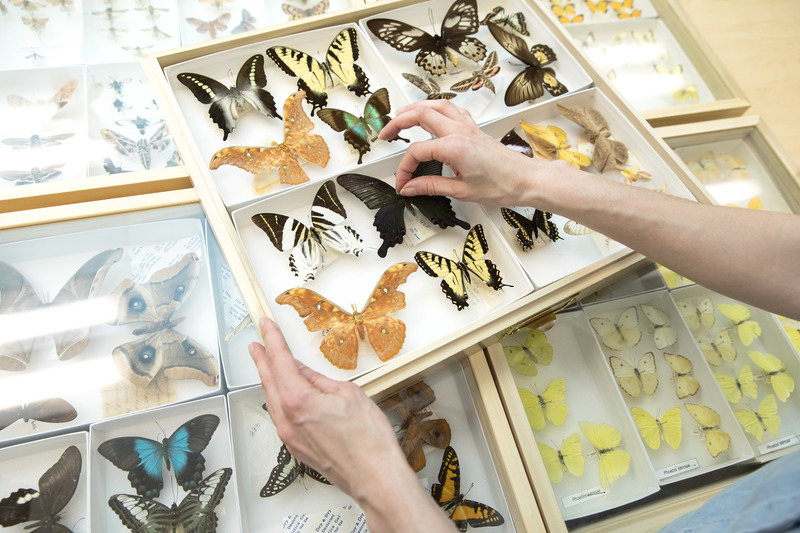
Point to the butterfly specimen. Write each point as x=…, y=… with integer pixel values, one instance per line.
x=447, y=493
x=391, y=207
x=688, y=93
x=624, y=333
x=411, y=405
x=717, y=441
x=685, y=384
x=608, y=153
x=706, y=167
x=654, y=430
x=568, y=459
x=56, y=102
x=227, y=103
x=298, y=141
x=499, y=16
x=110, y=14
x=315, y=77
x=34, y=175
x=531, y=82
x=766, y=418
x=480, y=78
x=597, y=7
x=721, y=348
x=44, y=507
x=528, y=229
x=696, y=314
x=358, y=131
x=457, y=273
x=614, y=461
x=737, y=166
x=621, y=7
x=162, y=352
x=634, y=379
x=429, y=87
x=773, y=368
x=34, y=142
x=307, y=243
x=536, y=351
x=194, y=513
x=286, y=471
x=735, y=388
x=211, y=27
x=386, y=334
x=18, y=296
x=296, y=13
x=517, y=143
x=181, y=452
x=36, y=24
x=794, y=336
x=566, y=14
x=248, y=23
x=748, y=330
x=663, y=335
x=144, y=147
x=458, y=24
x=27, y=5
x=550, y=142
x=676, y=71
x=549, y=405
x=51, y=410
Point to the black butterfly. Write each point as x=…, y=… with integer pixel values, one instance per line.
x=528, y=229
x=286, y=471
x=315, y=77
x=43, y=506
x=457, y=273
x=460, y=21
x=389, y=219
x=517, y=143
x=51, y=410
x=358, y=131
x=142, y=457
x=531, y=82
x=194, y=513
x=227, y=103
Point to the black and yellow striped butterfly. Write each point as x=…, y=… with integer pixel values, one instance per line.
x=447, y=494
x=286, y=471
x=457, y=273
x=529, y=229
x=315, y=77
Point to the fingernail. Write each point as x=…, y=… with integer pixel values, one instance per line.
x=405, y=191
x=262, y=322
x=251, y=348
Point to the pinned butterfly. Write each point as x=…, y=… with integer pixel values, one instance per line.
x=531, y=231
x=535, y=351
x=286, y=471
x=547, y=406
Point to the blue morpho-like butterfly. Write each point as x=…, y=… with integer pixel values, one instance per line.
x=181, y=452
x=359, y=130
x=389, y=219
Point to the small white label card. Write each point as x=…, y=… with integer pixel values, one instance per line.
x=348, y=519
x=580, y=497
x=778, y=444
x=680, y=468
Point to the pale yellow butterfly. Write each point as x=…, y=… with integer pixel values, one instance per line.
x=624, y=333
x=673, y=279
x=794, y=336
x=737, y=167
x=568, y=459
x=614, y=461
x=721, y=348
x=654, y=430
x=705, y=168
x=632, y=379
x=717, y=440
x=697, y=314
x=535, y=351
x=766, y=418
x=549, y=405
x=779, y=377
x=663, y=335
x=748, y=330
x=690, y=92
x=735, y=388
x=685, y=384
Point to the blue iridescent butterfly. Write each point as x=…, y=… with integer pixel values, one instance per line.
x=181, y=452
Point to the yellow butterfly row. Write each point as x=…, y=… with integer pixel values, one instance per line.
x=707, y=169
x=643, y=377
x=625, y=333
x=668, y=427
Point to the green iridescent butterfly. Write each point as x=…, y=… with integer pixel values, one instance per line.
x=360, y=131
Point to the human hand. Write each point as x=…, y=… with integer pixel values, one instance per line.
x=485, y=170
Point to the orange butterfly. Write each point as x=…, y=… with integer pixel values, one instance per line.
x=410, y=404
x=385, y=333
x=283, y=156
x=566, y=14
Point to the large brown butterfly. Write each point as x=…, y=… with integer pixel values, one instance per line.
x=447, y=494
x=385, y=333
x=297, y=142
x=409, y=404
x=608, y=153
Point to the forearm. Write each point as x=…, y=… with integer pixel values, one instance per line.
x=753, y=256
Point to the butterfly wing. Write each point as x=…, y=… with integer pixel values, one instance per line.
x=407, y=38
x=476, y=247
x=555, y=409
x=250, y=82
x=646, y=370
x=225, y=106
x=16, y=296
x=327, y=214
x=56, y=488
x=606, y=439
x=533, y=409
x=313, y=77
x=536, y=350
x=379, y=195
x=386, y=334
x=526, y=232
x=51, y=410
x=670, y=424
x=141, y=514
x=685, y=385
x=648, y=427
x=552, y=462
x=781, y=380
x=449, y=487
x=355, y=129
x=475, y=514
x=452, y=285
x=341, y=57
x=717, y=441
x=460, y=21
x=282, y=475
x=626, y=375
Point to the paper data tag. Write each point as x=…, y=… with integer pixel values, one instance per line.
x=418, y=229
x=348, y=519
x=145, y=260
x=676, y=469
x=778, y=444
x=580, y=497
x=234, y=308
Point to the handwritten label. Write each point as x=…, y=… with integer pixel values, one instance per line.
x=418, y=229
x=676, y=469
x=779, y=444
x=146, y=260
x=580, y=497
x=235, y=309
x=348, y=519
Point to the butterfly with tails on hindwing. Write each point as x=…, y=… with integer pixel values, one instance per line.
x=44, y=507
x=196, y=512
x=286, y=471
x=531, y=82
x=182, y=452
x=307, y=243
x=458, y=24
x=386, y=334
x=358, y=131
x=315, y=77
x=528, y=229
x=457, y=273
x=227, y=103
x=391, y=206
x=447, y=493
